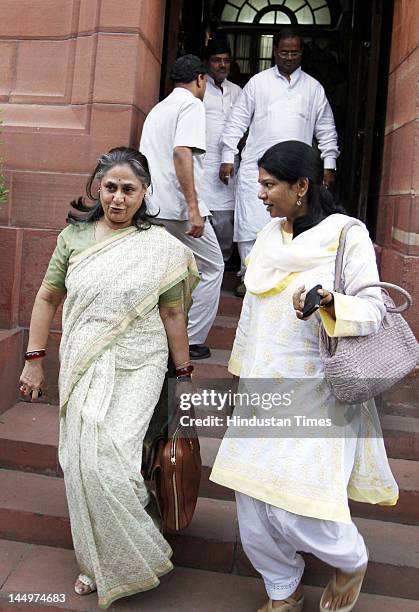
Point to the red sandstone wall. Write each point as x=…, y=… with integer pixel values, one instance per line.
x=77, y=77
x=398, y=217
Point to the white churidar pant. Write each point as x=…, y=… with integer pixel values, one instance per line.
x=271, y=538
x=210, y=264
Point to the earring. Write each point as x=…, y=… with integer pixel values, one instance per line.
x=299, y=202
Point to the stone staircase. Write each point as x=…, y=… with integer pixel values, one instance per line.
x=212, y=572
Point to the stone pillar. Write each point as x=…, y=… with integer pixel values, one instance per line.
x=398, y=213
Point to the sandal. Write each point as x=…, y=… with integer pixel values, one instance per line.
x=288, y=605
x=335, y=589
x=88, y=582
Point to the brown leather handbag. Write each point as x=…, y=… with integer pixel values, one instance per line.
x=177, y=474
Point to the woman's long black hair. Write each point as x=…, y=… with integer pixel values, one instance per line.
x=291, y=160
x=115, y=157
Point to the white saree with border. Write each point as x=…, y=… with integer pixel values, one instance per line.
x=305, y=474
x=113, y=361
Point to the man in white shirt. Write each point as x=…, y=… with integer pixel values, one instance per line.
x=173, y=140
x=281, y=103
x=220, y=96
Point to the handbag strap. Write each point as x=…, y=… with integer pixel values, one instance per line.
x=408, y=298
x=339, y=283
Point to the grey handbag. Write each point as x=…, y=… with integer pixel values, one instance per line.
x=358, y=368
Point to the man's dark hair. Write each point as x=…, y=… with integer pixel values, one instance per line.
x=216, y=46
x=187, y=68
x=287, y=33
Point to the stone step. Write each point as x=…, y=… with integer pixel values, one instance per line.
x=214, y=367
x=27, y=568
x=33, y=509
x=230, y=305
x=29, y=438
x=222, y=333
x=402, y=399
x=11, y=363
x=401, y=436
x=230, y=282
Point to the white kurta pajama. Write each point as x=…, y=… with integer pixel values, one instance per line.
x=274, y=109
x=179, y=121
x=219, y=198
x=283, y=479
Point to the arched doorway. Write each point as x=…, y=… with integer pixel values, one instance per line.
x=347, y=46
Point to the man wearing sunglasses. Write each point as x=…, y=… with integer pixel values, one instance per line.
x=278, y=104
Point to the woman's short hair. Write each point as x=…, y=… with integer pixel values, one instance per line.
x=291, y=160
x=119, y=156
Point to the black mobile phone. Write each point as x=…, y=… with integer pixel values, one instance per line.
x=312, y=301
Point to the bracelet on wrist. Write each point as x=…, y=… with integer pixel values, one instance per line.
x=38, y=354
x=184, y=372
x=183, y=378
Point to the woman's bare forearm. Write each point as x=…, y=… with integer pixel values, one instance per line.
x=43, y=312
x=177, y=336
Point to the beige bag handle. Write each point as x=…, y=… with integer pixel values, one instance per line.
x=338, y=285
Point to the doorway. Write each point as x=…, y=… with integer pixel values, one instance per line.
x=346, y=47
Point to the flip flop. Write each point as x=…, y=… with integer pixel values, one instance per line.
x=87, y=581
x=357, y=579
x=288, y=605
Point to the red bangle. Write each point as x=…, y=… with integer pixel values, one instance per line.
x=30, y=355
x=186, y=371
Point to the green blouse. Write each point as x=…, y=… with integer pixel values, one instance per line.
x=75, y=239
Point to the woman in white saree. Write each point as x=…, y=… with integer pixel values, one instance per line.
x=292, y=485
x=128, y=286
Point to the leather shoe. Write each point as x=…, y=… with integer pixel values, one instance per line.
x=199, y=351
x=240, y=290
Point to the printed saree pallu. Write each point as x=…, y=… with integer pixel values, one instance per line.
x=113, y=360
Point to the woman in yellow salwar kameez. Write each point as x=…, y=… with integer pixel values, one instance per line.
x=128, y=285
x=292, y=481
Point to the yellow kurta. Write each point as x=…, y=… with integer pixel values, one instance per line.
x=296, y=468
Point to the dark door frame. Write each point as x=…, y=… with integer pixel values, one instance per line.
x=368, y=53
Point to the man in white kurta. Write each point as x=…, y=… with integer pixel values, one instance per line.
x=173, y=140
x=278, y=104
x=220, y=96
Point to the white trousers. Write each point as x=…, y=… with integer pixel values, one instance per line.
x=223, y=223
x=244, y=250
x=210, y=264
x=271, y=538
